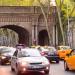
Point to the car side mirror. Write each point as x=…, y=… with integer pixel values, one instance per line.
x=68, y=55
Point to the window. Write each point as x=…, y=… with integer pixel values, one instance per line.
x=15, y=53
x=73, y=53
x=29, y=53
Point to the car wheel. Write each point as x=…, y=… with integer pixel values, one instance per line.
x=17, y=72
x=2, y=63
x=12, y=69
x=65, y=66
x=50, y=61
x=46, y=72
x=57, y=61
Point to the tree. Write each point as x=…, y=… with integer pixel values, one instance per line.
x=16, y=2
x=65, y=9
x=45, y=14
x=60, y=21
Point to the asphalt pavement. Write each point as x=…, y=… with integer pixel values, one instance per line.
x=55, y=69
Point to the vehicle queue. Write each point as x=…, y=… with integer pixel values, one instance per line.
x=23, y=59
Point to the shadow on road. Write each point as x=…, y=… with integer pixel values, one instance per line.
x=29, y=73
x=34, y=73
x=73, y=71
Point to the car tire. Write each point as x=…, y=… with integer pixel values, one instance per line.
x=12, y=69
x=2, y=63
x=57, y=61
x=17, y=72
x=46, y=72
x=50, y=61
x=65, y=66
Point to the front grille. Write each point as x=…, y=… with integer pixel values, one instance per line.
x=40, y=68
x=36, y=68
x=35, y=63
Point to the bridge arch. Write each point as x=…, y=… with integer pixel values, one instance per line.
x=43, y=38
x=23, y=34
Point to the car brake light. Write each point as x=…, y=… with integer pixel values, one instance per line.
x=42, y=53
x=56, y=53
x=63, y=51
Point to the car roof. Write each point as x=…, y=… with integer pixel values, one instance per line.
x=23, y=49
x=63, y=46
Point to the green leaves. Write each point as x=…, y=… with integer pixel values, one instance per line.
x=16, y=2
x=70, y=8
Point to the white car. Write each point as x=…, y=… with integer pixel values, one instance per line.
x=29, y=59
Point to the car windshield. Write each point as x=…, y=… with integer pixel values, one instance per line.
x=43, y=49
x=29, y=53
x=51, y=49
x=73, y=52
x=7, y=50
x=65, y=47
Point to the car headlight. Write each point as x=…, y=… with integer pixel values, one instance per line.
x=3, y=57
x=45, y=63
x=24, y=63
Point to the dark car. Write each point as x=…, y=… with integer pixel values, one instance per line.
x=29, y=59
x=6, y=54
x=50, y=53
x=19, y=46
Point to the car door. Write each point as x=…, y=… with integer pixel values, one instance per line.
x=71, y=60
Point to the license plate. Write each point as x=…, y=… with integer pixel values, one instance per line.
x=50, y=53
x=36, y=67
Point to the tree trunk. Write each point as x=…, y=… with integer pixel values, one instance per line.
x=60, y=22
x=46, y=22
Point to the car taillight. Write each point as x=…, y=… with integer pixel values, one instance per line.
x=42, y=53
x=56, y=53
x=63, y=51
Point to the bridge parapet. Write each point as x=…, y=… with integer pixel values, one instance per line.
x=22, y=9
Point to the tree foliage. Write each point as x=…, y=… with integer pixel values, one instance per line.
x=16, y=2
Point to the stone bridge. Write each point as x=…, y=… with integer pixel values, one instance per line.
x=29, y=24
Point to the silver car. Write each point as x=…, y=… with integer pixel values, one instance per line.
x=29, y=59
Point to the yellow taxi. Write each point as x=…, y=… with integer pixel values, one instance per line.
x=35, y=46
x=69, y=61
x=63, y=50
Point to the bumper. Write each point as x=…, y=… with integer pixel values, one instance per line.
x=31, y=69
x=52, y=58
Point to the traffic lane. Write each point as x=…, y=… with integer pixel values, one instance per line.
x=6, y=70
x=58, y=69
x=55, y=69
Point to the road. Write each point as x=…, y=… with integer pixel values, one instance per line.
x=56, y=69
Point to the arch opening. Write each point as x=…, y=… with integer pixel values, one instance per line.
x=23, y=34
x=43, y=38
